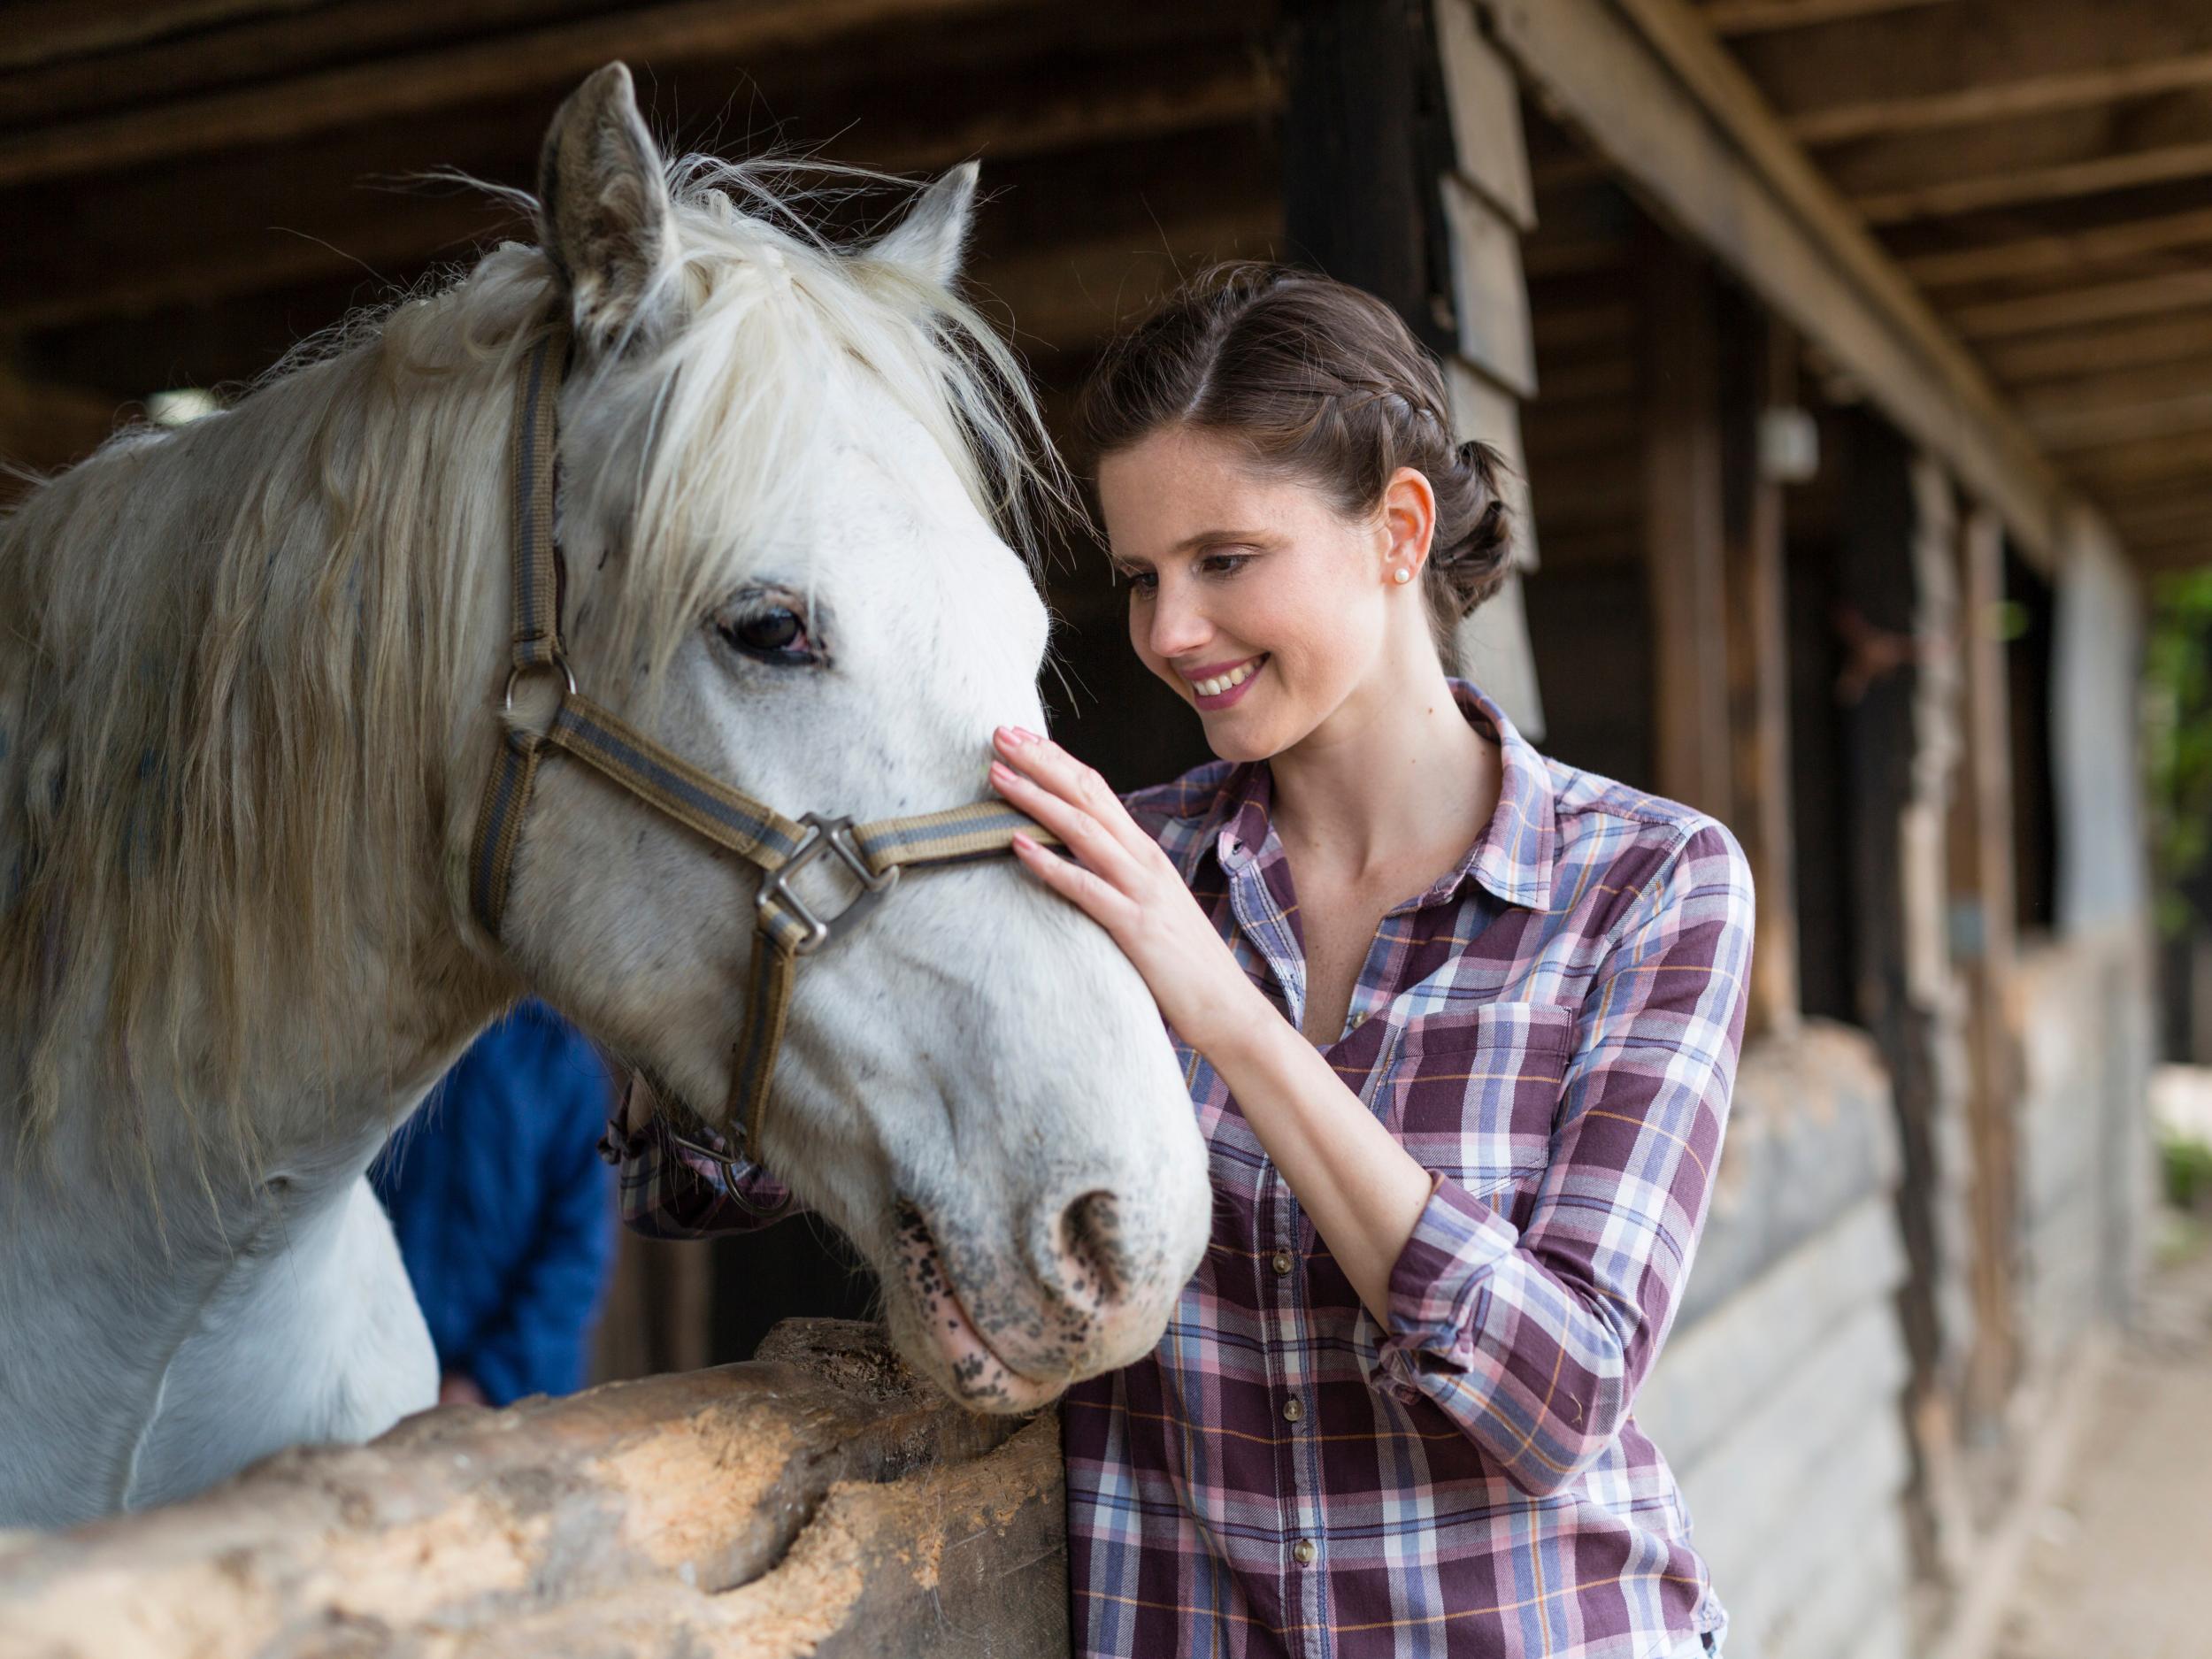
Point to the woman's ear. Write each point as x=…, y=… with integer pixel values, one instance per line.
x=1409, y=521
x=604, y=216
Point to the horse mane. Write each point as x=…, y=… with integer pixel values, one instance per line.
x=234, y=653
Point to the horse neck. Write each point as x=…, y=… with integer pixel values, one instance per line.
x=407, y=985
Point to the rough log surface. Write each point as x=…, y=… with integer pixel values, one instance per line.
x=818, y=1501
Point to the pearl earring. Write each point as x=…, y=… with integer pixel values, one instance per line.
x=1402, y=575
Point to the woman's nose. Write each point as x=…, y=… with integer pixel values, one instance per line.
x=1178, y=627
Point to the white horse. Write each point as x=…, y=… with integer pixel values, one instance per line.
x=249, y=677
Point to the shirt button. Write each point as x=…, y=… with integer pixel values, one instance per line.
x=1281, y=1262
x=1303, y=1552
x=1292, y=1409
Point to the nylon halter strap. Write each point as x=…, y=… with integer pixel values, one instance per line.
x=786, y=928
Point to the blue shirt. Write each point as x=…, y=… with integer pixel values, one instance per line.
x=503, y=1210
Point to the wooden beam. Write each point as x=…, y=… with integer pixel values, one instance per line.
x=330, y=230
x=1985, y=961
x=1361, y=154
x=418, y=83
x=1489, y=144
x=2091, y=427
x=1651, y=90
x=2001, y=101
x=2075, y=307
x=48, y=31
x=817, y=1501
x=2168, y=458
x=260, y=43
x=2034, y=186
x=2072, y=353
x=1759, y=360
x=44, y=427
x=2189, y=513
x=2059, y=252
x=1686, y=550
x=1762, y=17
x=1953, y=51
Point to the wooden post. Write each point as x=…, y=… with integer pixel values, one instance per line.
x=1489, y=203
x=1684, y=549
x=1405, y=173
x=1759, y=366
x=1983, y=903
x=1364, y=140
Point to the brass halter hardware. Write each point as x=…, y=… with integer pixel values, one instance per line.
x=785, y=926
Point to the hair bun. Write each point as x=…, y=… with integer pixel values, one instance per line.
x=1474, y=566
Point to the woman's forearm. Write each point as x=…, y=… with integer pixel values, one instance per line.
x=1362, y=1189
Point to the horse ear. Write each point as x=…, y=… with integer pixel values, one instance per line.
x=929, y=238
x=603, y=212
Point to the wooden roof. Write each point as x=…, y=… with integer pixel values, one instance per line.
x=2038, y=169
x=187, y=187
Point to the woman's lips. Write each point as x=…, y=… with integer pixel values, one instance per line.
x=1212, y=702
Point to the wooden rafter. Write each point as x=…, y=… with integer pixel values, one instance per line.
x=2068, y=354
x=1650, y=88
x=1904, y=56
x=385, y=231
x=2093, y=427
x=2036, y=184
x=416, y=84
x=1757, y=17
x=254, y=44
x=2060, y=251
x=47, y=31
x=2075, y=307
x=2010, y=100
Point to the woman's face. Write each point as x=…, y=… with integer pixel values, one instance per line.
x=1263, y=607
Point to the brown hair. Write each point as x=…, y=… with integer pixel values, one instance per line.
x=1320, y=382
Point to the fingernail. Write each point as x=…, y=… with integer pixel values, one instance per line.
x=1001, y=772
x=1022, y=843
x=1023, y=734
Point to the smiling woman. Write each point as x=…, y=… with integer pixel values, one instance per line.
x=1461, y=1081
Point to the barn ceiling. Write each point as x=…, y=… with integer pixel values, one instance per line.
x=2039, y=170
x=187, y=187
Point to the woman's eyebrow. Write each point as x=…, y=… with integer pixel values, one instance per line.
x=1207, y=538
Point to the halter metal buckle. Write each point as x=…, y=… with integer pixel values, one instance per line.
x=831, y=834
x=521, y=670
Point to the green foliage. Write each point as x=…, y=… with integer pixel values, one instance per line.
x=2178, y=734
x=2186, y=1165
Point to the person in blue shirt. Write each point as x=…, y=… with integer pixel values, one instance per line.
x=505, y=1211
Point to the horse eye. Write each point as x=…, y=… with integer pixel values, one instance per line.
x=776, y=633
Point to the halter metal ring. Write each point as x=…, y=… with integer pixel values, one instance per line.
x=515, y=674
x=831, y=834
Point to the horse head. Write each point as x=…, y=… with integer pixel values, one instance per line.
x=788, y=474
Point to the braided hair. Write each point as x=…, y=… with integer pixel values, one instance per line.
x=1321, y=381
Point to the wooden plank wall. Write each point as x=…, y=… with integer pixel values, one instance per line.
x=1776, y=1401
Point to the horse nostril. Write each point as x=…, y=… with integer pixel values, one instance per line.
x=1091, y=1243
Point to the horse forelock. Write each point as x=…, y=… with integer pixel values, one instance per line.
x=236, y=654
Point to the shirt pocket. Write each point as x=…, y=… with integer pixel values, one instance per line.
x=1473, y=1092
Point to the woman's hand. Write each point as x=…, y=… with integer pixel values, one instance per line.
x=1123, y=882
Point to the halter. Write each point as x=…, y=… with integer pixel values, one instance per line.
x=786, y=928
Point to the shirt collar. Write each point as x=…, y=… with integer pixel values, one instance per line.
x=1511, y=858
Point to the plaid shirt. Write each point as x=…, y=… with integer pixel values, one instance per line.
x=1551, y=1029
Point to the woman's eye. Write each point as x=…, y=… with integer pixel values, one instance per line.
x=1224, y=564
x=776, y=633
x=1143, y=581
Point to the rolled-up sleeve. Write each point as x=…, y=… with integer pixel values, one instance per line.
x=671, y=1190
x=1533, y=1341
